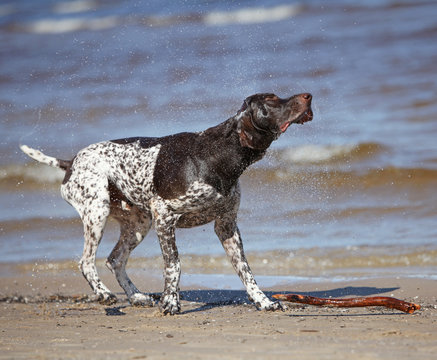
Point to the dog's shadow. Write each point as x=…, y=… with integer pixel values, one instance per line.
x=208, y=299
x=217, y=298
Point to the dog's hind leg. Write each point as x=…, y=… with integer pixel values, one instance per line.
x=134, y=226
x=93, y=231
x=92, y=204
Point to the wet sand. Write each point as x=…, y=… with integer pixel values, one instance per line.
x=48, y=315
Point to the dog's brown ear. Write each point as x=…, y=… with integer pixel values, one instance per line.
x=250, y=136
x=245, y=130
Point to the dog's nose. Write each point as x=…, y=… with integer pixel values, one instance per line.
x=306, y=96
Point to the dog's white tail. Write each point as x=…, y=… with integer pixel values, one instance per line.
x=40, y=157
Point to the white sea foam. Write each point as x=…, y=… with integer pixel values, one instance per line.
x=35, y=173
x=252, y=15
x=58, y=26
x=71, y=24
x=316, y=153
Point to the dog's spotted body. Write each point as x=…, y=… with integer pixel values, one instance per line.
x=182, y=180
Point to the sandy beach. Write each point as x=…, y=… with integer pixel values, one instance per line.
x=48, y=315
x=343, y=206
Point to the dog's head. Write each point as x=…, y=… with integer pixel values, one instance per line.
x=264, y=117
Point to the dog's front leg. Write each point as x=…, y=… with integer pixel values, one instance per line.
x=229, y=235
x=165, y=224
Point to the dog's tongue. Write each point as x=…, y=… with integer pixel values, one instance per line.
x=285, y=126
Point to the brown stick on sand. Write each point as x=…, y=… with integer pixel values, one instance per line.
x=387, y=302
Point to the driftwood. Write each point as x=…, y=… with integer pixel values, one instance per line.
x=387, y=302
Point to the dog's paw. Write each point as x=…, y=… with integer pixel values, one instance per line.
x=169, y=303
x=141, y=300
x=105, y=298
x=277, y=305
x=271, y=306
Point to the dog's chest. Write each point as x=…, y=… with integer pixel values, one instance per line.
x=201, y=204
x=199, y=196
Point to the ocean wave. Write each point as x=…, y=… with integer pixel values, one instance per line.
x=59, y=23
x=59, y=26
x=319, y=259
x=34, y=224
x=33, y=175
x=63, y=16
x=252, y=15
x=307, y=262
x=334, y=177
x=363, y=165
x=29, y=176
x=328, y=153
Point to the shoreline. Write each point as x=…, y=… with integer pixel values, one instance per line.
x=47, y=314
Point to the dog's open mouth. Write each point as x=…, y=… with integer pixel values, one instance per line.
x=305, y=117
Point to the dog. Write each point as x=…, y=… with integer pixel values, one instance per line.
x=177, y=181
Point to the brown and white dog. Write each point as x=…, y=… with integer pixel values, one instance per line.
x=182, y=180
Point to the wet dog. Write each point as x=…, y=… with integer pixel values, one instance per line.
x=182, y=180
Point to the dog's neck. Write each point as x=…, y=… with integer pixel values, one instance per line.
x=230, y=155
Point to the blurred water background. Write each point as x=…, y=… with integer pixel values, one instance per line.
x=353, y=193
